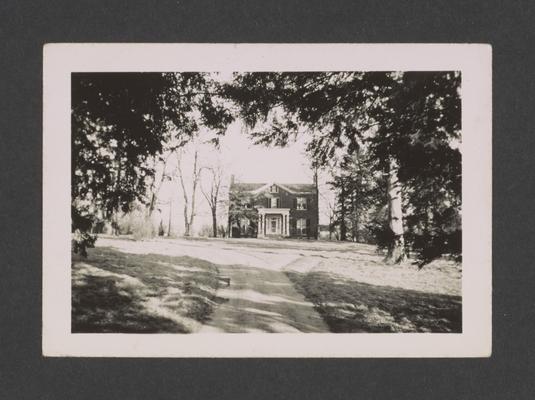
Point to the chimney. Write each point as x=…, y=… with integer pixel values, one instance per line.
x=232, y=180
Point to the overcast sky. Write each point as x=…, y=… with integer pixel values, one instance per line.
x=257, y=163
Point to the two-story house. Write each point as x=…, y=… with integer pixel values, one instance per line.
x=274, y=210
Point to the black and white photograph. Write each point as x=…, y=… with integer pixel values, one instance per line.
x=267, y=201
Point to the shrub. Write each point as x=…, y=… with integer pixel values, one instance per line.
x=143, y=228
x=81, y=222
x=206, y=231
x=221, y=231
x=137, y=223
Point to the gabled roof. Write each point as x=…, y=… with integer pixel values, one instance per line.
x=246, y=187
x=294, y=188
x=300, y=187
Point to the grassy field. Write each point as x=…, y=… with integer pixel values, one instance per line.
x=114, y=291
x=349, y=306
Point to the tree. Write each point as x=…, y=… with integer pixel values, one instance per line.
x=315, y=179
x=119, y=121
x=330, y=212
x=189, y=201
x=409, y=123
x=339, y=185
x=156, y=181
x=212, y=194
x=396, y=251
x=363, y=192
x=241, y=207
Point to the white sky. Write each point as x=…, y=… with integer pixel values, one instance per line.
x=257, y=163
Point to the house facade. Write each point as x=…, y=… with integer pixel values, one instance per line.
x=273, y=210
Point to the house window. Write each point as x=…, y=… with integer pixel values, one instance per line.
x=274, y=189
x=301, y=203
x=301, y=225
x=275, y=202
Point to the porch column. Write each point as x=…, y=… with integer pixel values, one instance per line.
x=287, y=223
x=261, y=219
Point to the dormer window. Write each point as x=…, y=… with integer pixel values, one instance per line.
x=274, y=189
x=301, y=203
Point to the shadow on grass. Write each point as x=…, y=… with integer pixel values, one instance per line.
x=99, y=306
x=140, y=293
x=350, y=306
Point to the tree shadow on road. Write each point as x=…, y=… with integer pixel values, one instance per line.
x=262, y=300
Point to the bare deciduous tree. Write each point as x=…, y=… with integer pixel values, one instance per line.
x=212, y=194
x=189, y=201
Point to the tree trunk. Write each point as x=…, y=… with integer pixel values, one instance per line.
x=343, y=228
x=152, y=204
x=356, y=227
x=355, y=222
x=155, y=187
x=193, y=193
x=115, y=218
x=214, y=221
x=316, y=184
x=170, y=213
x=186, y=221
x=189, y=214
x=396, y=253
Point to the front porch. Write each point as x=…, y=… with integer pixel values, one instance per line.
x=273, y=222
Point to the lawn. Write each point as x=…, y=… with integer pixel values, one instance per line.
x=347, y=305
x=354, y=290
x=113, y=291
x=169, y=286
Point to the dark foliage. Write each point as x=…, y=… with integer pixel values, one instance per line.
x=412, y=117
x=119, y=120
x=360, y=197
x=241, y=206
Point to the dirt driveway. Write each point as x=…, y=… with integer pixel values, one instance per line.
x=260, y=297
x=300, y=286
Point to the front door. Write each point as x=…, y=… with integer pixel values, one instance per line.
x=274, y=227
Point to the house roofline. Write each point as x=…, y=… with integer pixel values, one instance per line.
x=267, y=185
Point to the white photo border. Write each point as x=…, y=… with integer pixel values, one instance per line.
x=474, y=62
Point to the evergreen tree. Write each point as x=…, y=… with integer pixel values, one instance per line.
x=120, y=121
x=241, y=206
x=408, y=122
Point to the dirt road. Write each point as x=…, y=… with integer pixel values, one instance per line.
x=260, y=297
